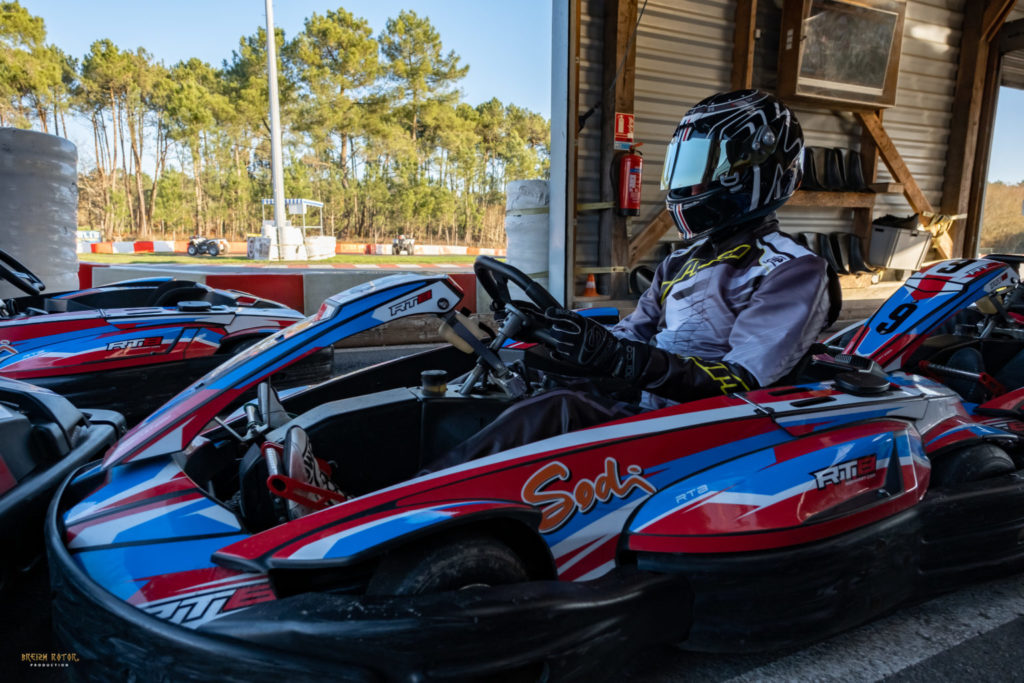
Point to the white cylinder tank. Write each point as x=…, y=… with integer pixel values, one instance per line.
x=38, y=206
x=526, y=226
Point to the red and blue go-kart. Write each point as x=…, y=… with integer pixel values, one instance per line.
x=43, y=438
x=753, y=520
x=130, y=346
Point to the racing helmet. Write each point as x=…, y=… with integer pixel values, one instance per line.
x=734, y=157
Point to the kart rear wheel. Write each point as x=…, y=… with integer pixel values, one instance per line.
x=213, y=249
x=465, y=561
x=975, y=463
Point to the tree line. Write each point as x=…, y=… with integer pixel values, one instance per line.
x=374, y=127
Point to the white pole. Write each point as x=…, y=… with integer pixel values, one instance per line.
x=276, y=159
x=559, y=230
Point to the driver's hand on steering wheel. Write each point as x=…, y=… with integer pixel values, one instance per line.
x=582, y=341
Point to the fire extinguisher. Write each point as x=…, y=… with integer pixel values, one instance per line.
x=631, y=167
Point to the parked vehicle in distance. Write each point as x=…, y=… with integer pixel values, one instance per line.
x=757, y=520
x=129, y=346
x=402, y=245
x=197, y=246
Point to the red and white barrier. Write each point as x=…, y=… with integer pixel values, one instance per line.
x=303, y=288
x=241, y=248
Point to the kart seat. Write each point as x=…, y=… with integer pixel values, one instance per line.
x=167, y=293
x=175, y=296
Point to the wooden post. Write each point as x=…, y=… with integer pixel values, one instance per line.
x=619, y=50
x=983, y=150
x=743, y=44
x=979, y=28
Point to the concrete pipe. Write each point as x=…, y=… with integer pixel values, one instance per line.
x=526, y=227
x=38, y=206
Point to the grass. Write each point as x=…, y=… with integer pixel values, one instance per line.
x=358, y=259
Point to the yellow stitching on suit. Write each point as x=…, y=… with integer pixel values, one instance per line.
x=719, y=372
x=691, y=267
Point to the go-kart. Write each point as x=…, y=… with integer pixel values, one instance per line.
x=198, y=245
x=129, y=346
x=44, y=438
x=749, y=521
x=402, y=245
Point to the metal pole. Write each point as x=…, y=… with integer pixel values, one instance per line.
x=276, y=159
x=562, y=149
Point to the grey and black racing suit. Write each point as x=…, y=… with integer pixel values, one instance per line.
x=731, y=316
x=718, y=318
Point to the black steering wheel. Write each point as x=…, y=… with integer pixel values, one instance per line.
x=18, y=275
x=494, y=276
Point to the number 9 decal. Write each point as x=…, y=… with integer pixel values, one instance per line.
x=896, y=318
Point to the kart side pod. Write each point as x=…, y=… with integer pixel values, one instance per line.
x=354, y=541
x=796, y=492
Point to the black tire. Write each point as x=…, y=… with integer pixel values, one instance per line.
x=974, y=463
x=449, y=564
x=212, y=249
x=192, y=251
x=238, y=347
x=312, y=369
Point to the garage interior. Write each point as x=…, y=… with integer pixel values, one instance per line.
x=925, y=153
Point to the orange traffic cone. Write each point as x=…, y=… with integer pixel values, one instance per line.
x=591, y=288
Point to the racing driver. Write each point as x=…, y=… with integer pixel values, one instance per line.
x=732, y=310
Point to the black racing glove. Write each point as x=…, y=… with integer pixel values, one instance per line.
x=582, y=341
x=598, y=352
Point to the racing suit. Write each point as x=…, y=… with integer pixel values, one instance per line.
x=733, y=316
x=719, y=317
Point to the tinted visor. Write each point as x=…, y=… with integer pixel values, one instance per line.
x=694, y=161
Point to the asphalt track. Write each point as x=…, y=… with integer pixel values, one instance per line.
x=975, y=634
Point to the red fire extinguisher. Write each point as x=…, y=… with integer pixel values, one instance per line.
x=631, y=167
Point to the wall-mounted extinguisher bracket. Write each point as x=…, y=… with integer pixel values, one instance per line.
x=630, y=178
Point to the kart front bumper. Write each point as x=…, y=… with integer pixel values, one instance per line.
x=23, y=507
x=570, y=630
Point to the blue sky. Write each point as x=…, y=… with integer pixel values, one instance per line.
x=507, y=44
x=1007, y=161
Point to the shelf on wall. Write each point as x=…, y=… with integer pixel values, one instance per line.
x=845, y=200
x=848, y=200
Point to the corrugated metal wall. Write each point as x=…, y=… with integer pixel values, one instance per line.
x=588, y=169
x=1013, y=62
x=684, y=53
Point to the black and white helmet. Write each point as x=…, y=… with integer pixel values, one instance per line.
x=734, y=157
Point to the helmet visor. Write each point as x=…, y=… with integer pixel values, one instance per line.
x=693, y=161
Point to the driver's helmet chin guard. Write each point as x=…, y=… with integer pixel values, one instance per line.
x=734, y=157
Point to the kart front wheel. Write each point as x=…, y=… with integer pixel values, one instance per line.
x=468, y=561
x=975, y=463
x=192, y=251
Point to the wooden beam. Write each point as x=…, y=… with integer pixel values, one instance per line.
x=642, y=242
x=994, y=17
x=743, y=44
x=894, y=161
x=983, y=150
x=899, y=170
x=1011, y=37
x=619, y=87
